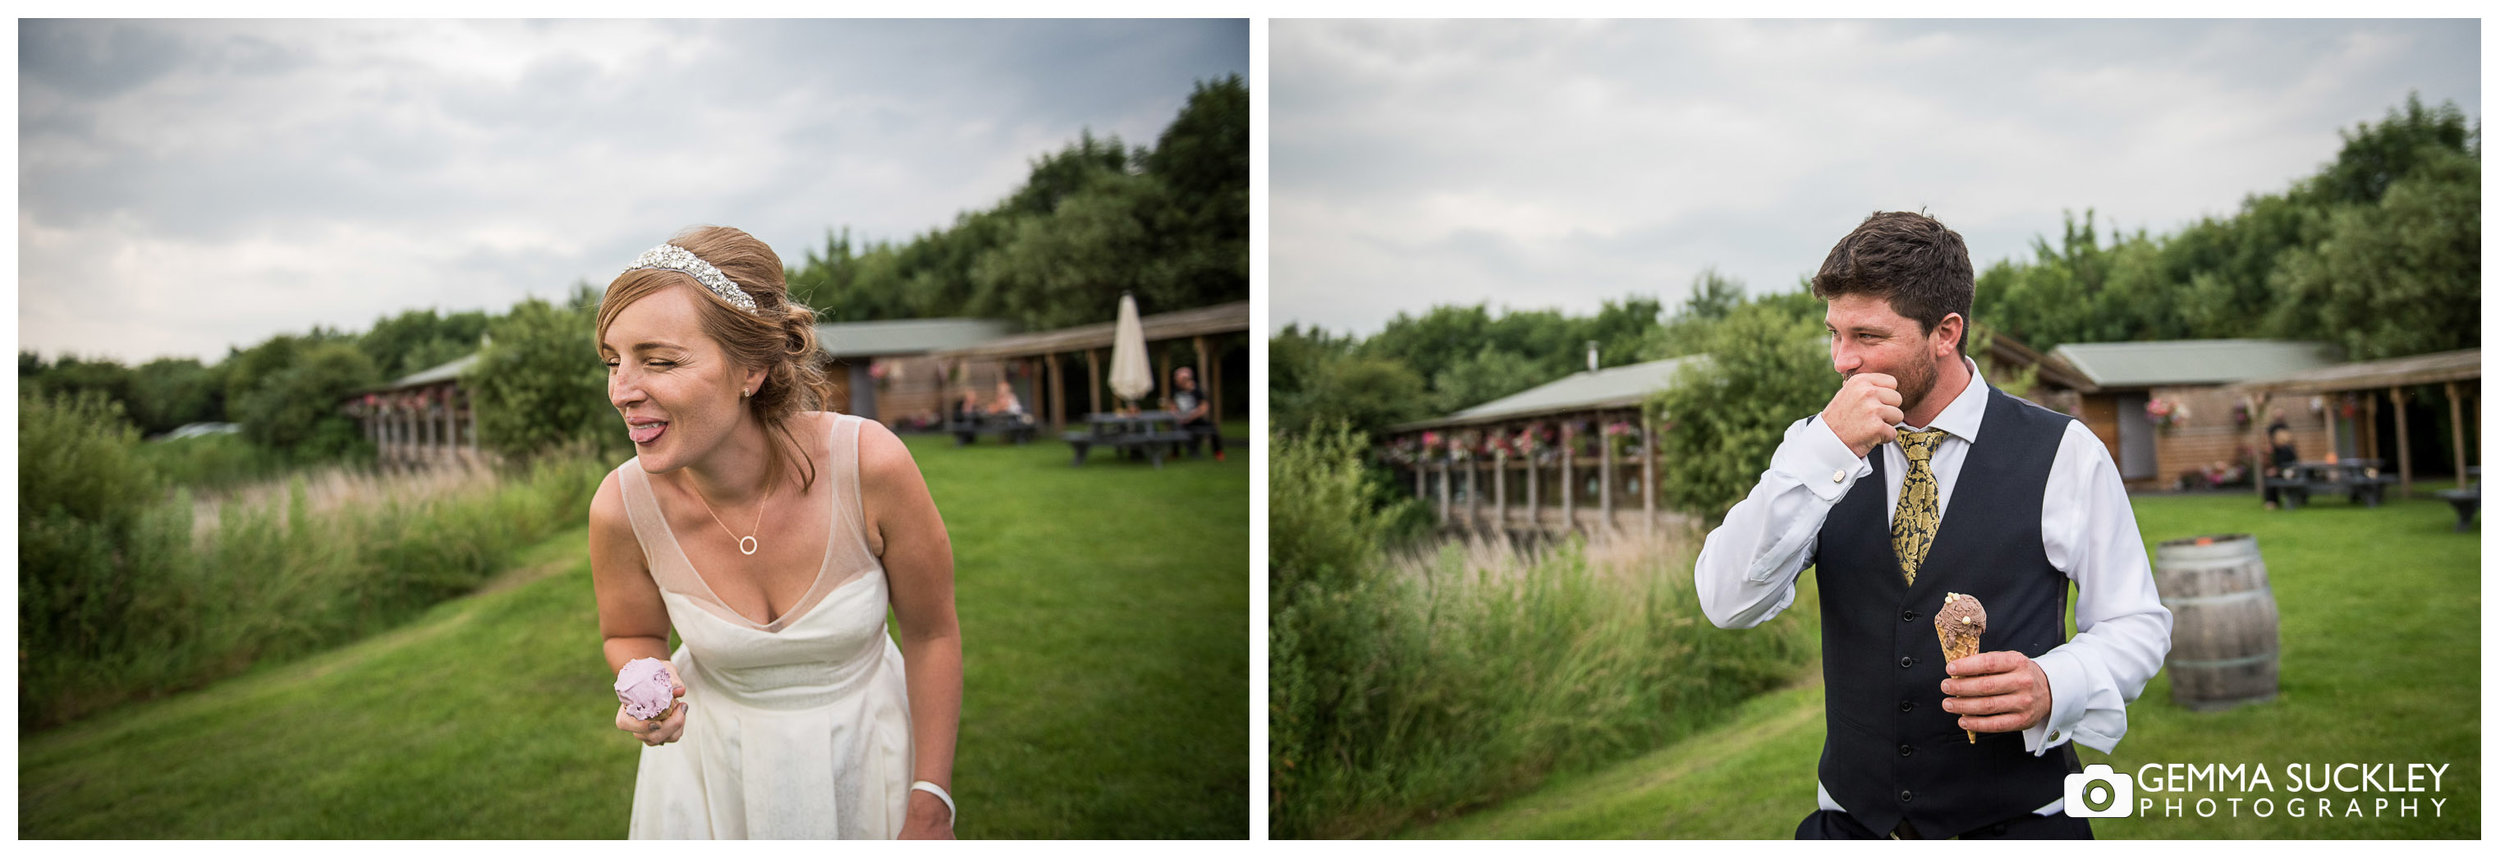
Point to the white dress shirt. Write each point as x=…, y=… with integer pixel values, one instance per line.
x=1748, y=569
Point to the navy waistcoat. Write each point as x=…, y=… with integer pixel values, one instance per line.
x=1890, y=751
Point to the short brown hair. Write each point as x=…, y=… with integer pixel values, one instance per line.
x=1909, y=260
x=779, y=336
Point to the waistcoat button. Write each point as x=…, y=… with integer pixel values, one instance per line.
x=1905, y=662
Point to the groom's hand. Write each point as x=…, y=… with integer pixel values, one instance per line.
x=1863, y=411
x=1997, y=692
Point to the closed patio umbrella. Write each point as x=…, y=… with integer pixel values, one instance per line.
x=1131, y=379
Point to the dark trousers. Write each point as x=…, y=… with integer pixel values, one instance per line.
x=1202, y=426
x=1839, y=826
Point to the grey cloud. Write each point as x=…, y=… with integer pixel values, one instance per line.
x=95, y=59
x=466, y=164
x=1602, y=155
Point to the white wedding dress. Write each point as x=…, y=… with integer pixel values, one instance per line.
x=799, y=728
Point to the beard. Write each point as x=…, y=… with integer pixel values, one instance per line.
x=1917, y=381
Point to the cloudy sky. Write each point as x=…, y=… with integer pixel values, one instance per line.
x=1557, y=164
x=186, y=186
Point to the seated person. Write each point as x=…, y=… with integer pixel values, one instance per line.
x=967, y=409
x=1194, y=410
x=1007, y=404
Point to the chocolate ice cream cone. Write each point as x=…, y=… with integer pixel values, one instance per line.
x=1958, y=626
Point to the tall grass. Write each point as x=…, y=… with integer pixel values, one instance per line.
x=277, y=571
x=209, y=463
x=1414, y=684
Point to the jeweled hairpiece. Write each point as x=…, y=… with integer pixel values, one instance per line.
x=674, y=258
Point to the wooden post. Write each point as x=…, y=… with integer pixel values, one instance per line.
x=1093, y=381
x=1571, y=488
x=1649, y=472
x=2334, y=415
x=1213, y=384
x=2404, y=443
x=1445, y=493
x=2369, y=425
x=1536, y=512
x=1605, y=474
x=1501, y=499
x=451, y=430
x=1419, y=474
x=1163, y=380
x=2265, y=444
x=1473, y=497
x=1201, y=348
x=2456, y=429
x=1058, y=395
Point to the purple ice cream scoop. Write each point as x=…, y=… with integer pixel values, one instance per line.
x=645, y=686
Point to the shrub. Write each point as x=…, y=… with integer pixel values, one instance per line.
x=1427, y=683
x=318, y=560
x=1723, y=416
x=539, y=383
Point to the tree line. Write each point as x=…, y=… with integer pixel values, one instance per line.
x=1170, y=222
x=2378, y=252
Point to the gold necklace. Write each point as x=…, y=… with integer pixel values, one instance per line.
x=746, y=544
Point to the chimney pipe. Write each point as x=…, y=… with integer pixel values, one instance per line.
x=1592, y=356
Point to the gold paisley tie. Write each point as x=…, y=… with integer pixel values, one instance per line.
x=1914, y=522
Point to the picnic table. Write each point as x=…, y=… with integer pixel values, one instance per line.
x=2359, y=480
x=1151, y=434
x=2466, y=501
x=1011, y=428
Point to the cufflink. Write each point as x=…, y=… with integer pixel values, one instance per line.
x=1838, y=474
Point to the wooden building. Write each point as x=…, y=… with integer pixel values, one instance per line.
x=422, y=419
x=885, y=371
x=2166, y=409
x=1576, y=454
x=1038, y=364
x=2345, y=399
x=1580, y=454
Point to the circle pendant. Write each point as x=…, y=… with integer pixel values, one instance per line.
x=746, y=545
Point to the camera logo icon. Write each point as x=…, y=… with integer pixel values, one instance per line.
x=2099, y=791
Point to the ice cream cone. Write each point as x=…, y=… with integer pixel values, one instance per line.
x=1958, y=626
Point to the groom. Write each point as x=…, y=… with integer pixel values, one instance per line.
x=1918, y=479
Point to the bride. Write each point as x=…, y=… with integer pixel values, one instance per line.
x=772, y=538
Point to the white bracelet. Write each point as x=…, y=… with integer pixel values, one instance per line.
x=942, y=796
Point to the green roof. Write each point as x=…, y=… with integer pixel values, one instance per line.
x=907, y=336
x=1612, y=387
x=2144, y=364
x=441, y=373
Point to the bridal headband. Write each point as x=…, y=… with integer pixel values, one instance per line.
x=674, y=258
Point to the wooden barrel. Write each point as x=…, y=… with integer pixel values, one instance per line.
x=2223, y=636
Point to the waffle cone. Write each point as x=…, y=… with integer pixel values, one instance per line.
x=1957, y=647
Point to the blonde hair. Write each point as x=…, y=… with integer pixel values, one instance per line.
x=779, y=336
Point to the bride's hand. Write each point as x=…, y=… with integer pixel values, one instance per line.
x=657, y=732
x=926, y=818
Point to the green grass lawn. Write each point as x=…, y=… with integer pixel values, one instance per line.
x=2380, y=664
x=1105, y=613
